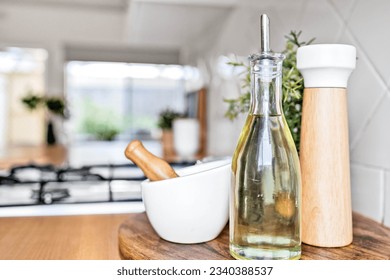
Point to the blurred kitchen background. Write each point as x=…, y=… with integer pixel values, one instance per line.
x=119, y=63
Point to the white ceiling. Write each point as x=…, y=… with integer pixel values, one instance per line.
x=89, y=4
x=173, y=23
x=154, y=23
x=175, y=26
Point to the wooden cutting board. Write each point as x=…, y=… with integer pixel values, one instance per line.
x=138, y=241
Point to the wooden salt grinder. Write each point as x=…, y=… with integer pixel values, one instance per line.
x=154, y=168
x=324, y=148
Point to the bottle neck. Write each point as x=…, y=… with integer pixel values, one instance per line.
x=266, y=88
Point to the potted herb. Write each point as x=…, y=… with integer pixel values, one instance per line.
x=292, y=88
x=55, y=106
x=165, y=123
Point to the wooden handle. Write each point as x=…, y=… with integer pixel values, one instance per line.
x=154, y=168
x=324, y=157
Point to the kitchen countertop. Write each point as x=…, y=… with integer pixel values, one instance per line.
x=56, y=155
x=96, y=237
x=93, y=237
x=76, y=155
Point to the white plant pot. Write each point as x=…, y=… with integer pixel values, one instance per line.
x=186, y=137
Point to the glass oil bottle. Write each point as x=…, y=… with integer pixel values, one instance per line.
x=266, y=184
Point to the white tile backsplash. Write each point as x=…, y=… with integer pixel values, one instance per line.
x=343, y=7
x=362, y=24
x=373, y=147
x=386, y=200
x=284, y=19
x=367, y=191
x=365, y=89
x=369, y=115
x=237, y=30
x=320, y=21
x=368, y=22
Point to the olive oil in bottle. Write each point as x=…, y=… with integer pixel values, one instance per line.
x=266, y=183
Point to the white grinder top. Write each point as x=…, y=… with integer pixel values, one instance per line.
x=326, y=65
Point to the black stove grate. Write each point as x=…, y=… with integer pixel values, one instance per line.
x=51, y=174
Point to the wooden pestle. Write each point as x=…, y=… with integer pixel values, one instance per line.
x=154, y=168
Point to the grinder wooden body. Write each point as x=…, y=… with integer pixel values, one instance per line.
x=324, y=158
x=324, y=146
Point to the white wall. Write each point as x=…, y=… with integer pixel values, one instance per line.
x=357, y=22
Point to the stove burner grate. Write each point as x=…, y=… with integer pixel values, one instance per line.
x=41, y=176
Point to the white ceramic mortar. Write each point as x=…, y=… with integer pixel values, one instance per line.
x=193, y=207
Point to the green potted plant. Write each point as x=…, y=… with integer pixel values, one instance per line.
x=292, y=88
x=99, y=122
x=165, y=122
x=55, y=106
x=102, y=129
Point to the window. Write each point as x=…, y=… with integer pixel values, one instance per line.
x=122, y=101
x=22, y=70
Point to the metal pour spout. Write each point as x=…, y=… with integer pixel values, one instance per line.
x=264, y=28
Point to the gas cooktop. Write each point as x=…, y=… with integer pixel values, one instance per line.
x=49, y=189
